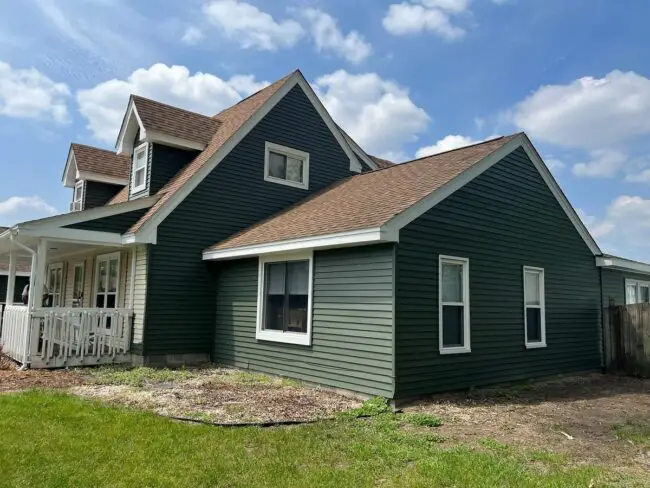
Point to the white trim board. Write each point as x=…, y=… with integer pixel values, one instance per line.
x=295, y=79
x=18, y=273
x=622, y=264
x=343, y=239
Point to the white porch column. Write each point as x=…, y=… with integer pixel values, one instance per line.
x=38, y=276
x=11, y=279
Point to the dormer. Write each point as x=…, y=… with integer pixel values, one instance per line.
x=95, y=175
x=159, y=140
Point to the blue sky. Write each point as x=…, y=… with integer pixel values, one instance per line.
x=405, y=77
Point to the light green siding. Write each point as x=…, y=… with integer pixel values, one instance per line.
x=503, y=220
x=352, y=341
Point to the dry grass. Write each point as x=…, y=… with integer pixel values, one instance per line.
x=215, y=394
x=588, y=408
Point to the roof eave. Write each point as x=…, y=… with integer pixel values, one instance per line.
x=358, y=237
x=622, y=264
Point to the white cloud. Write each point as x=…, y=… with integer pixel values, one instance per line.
x=605, y=163
x=328, y=37
x=27, y=93
x=377, y=113
x=592, y=113
x=625, y=227
x=25, y=208
x=554, y=164
x=447, y=143
x=250, y=27
x=642, y=177
x=428, y=15
x=103, y=106
x=192, y=36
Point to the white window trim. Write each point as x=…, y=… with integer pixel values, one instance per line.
x=280, y=336
x=541, y=306
x=142, y=147
x=106, y=257
x=77, y=203
x=59, y=266
x=466, y=347
x=293, y=153
x=638, y=284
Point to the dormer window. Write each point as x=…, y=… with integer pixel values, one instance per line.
x=77, y=197
x=286, y=166
x=139, y=172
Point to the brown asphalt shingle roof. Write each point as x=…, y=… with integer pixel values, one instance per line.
x=380, y=162
x=174, y=121
x=121, y=197
x=365, y=201
x=229, y=122
x=101, y=161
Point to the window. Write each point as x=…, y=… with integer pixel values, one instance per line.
x=534, y=308
x=284, y=299
x=55, y=284
x=77, y=197
x=107, y=280
x=286, y=166
x=637, y=292
x=139, y=176
x=453, y=319
x=78, y=285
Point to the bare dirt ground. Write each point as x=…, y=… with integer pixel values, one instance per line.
x=580, y=416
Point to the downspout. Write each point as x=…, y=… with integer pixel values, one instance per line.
x=30, y=299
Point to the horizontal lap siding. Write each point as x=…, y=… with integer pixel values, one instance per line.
x=97, y=194
x=352, y=341
x=613, y=283
x=503, y=220
x=180, y=297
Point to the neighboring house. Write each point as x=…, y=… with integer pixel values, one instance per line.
x=266, y=238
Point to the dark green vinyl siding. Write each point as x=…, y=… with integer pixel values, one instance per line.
x=97, y=194
x=352, y=340
x=613, y=282
x=503, y=220
x=20, y=283
x=119, y=223
x=166, y=162
x=180, y=291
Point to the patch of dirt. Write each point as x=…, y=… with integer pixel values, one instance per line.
x=218, y=395
x=14, y=380
x=545, y=415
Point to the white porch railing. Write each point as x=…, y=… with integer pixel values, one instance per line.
x=15, y=337
x=68, y=336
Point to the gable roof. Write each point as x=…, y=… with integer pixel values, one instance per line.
x=229, y=121
x=96, y=164
x=373, y=206
x=174, y=121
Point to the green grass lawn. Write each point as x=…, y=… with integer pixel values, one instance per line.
x=54, y=440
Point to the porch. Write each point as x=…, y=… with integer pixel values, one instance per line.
x=81, y=302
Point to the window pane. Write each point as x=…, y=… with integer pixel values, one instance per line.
x=110, y=301
x=101, y=279
x=274, y=296
x=140, y=160
x=277, y=165
x=644, y=294
x=298, y=277
x=532, y=288
x=139, y=177
x=452, y=282
x=630, y=294
x=112, y=277
x=453, y=319
x=297, y=313
x=294, y=170
x=534, y=324
x=100, y=301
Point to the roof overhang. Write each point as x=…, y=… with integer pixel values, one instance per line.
x=622, y=264
x=70, y=171
x=71, y=174
x=344, y=239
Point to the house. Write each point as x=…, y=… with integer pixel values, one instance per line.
x=266, y=238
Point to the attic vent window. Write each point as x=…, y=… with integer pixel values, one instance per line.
x=139, y=176
x=286, y=166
